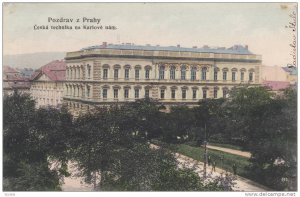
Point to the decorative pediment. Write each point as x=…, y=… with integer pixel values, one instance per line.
x=42, y=77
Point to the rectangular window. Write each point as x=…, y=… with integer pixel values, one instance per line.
x=89, y=71
x=224, y=93
x=204, y=94
x=250, y=76
x=147, y=74
x=104, y=93
x=224, y=75
x=203, y=75
x=215, y=93
x=183, y=75
x=242, y=76
x=233, y=76
x=215, y=75
x=105, y=73
x=194, y=94
x=172, y=73
x=183, y=94
x=137, y=73
x=173, y=93
x=126, y=93
x=136, y=93
x=162, y=94
x=126, y=73
x=193, y=75
x=161, y=74
x=116, y=93
x=147, y=93
x=116, y=73
x=87, y=92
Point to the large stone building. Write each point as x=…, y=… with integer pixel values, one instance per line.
x=108, y=73
x=47, y=84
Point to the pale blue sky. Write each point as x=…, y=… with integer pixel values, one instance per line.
x=259, y=25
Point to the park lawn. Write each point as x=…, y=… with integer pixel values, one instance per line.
x=197, y=153
x=226, y=146
x=228, y=161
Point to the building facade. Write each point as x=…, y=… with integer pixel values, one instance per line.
x=108, y=73
x=48, y=84
x=14, y=81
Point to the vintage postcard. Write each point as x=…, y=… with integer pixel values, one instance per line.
x=150, y=97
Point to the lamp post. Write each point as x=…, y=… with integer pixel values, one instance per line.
x=205, y=152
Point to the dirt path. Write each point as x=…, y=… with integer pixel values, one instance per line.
x=231, y=151
x=74, y=183
x=241, y=183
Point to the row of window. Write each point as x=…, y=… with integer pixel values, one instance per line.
x=77, y=73
x=173, y=75
x=163, y=93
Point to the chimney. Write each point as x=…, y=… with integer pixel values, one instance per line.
x=178, y=45
x=195, y=47
x=205, y=47
x=104, y=44
x=246, y=47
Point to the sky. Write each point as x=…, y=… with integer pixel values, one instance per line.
x=261, y=26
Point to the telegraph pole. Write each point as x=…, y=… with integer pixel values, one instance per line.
x=205, y=152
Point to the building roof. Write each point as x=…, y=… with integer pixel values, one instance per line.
x=236, y=49
x=26, y=72
x=55, y=71
x=8, y=69
x=292, y=70
x=276, y=85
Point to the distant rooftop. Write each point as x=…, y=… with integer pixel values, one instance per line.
x=290, y=69
x=55, y=70
x=276, y=85
x=236, y=49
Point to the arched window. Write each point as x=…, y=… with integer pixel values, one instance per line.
x=193, y=73
x=89, y=71
x=224, y=75
x=225, y=92
x=162, y=72
x=172, y=72
x=215, y=92
x=204, y=70
x=183, y=72
x=250, y=76
x=216, y=74
x=147, y=72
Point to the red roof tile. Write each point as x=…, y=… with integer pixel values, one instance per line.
x=8, y=69
x=55, y=70
x=276, y=85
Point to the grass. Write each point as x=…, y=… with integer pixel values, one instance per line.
x=226, y=146
x=197, y=153
x=226, y=164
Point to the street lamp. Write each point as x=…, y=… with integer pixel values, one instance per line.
x=205, y=152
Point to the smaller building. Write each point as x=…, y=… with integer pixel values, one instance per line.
x=14, y=81
x=291, y=72
x=26, y=72
x=47, y=84
x=280, y=74
x=276, y=86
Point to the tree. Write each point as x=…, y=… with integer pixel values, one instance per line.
x=210, y=118
x=31, y=137
x=178, y=124
x=267, y=125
